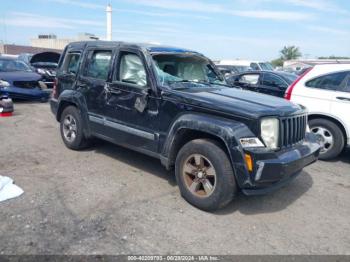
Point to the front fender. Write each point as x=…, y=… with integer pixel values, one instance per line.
x=72, y=97
x=228, y=131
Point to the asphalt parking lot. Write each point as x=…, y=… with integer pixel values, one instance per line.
x=110, y=200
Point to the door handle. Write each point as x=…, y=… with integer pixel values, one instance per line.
x=343, y=98
x=79, y=85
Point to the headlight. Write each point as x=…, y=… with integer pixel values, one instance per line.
x=270, y=132
x=4, y=83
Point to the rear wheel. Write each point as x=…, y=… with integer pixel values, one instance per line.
x=72, y=129
x=204, y=175
x=329, y=136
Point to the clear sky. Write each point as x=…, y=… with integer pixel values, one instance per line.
x=246, y=29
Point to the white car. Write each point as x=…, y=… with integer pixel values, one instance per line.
x=325, y=91
x=247, y=65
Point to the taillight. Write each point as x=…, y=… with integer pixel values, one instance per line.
x=288, y=94
x=54, y=89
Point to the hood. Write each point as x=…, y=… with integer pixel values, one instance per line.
x=19, y=76
x=45, y=57
x=237, y=102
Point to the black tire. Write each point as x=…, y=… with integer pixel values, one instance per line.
x=338, y=137
x=225, y=187
x=80, y=141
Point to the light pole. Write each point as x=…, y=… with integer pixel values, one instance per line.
x=109, y=22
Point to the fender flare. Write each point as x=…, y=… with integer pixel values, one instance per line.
x=77, y=99
x=227, y=130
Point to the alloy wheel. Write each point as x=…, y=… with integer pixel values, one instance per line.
x=199, y=175
x=324, y=138
x=69, y=128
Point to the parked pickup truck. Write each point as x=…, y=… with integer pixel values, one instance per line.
x=173, y=104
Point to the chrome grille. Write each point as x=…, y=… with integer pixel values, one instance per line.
x=293, y=130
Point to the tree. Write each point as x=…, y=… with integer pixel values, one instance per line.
x=277, y=62
x=290, y=53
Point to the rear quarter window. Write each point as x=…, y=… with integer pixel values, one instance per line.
x=71, y=63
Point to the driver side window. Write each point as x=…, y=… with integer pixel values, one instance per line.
x=132, y=70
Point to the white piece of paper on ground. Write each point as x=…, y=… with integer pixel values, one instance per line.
x=8, y=189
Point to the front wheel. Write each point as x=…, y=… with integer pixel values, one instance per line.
x=329, y=136
x=205, y=175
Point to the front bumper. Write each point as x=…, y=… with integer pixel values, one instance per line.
x=274, y=170
x=26, y=93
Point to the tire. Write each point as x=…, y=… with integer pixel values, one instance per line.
x=224, y=186
x=326, y=131
x=78, y=141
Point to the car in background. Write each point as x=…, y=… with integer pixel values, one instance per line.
x=44, y=63
x=18, y=81
x=266, y=82
x=247, y=65
x=325, y=91
x=229, y=70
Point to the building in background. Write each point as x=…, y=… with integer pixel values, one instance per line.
x=297, y=65
x=15, y=50
x=51, y=41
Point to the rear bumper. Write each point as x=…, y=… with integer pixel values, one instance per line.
x=54, y=106
x=272, y=171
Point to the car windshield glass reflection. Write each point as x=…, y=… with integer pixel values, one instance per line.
x=185, y=71
x=8, y=65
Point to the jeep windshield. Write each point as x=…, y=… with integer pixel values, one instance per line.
x=178, y=71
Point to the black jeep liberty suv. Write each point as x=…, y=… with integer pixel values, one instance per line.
x=174, y=105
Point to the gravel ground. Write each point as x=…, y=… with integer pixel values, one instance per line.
x=110, y=200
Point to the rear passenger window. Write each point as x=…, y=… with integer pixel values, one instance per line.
x=71, y=63
x=132, y=70
x=98, y=66
x=329, y=82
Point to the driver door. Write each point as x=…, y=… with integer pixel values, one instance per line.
x=132, y=103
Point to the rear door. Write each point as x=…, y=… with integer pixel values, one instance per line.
x=272, y=84
x=340, y=105
x=92, y=81
x=321, y=94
